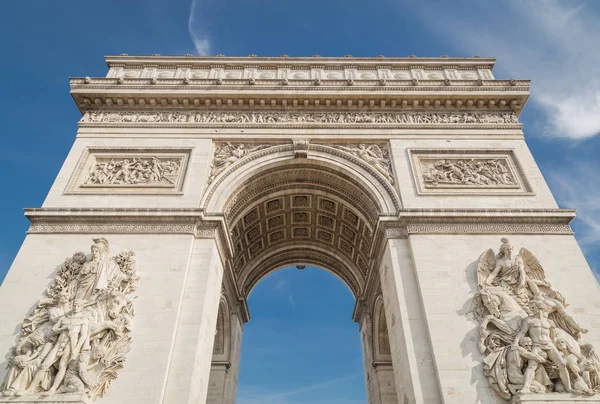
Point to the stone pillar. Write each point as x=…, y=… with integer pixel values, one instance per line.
x=231, y=380
x=366, y=338
x=384, y=372
x=225, y=364
x=216, y=385
x=413, y=366
x=189, y=367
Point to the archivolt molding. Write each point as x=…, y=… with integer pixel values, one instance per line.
x=339, y=150
x=302, y=254
x=276, y=152
x=322, y=165
x=307, y=179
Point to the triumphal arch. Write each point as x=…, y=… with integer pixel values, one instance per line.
x=191, y=178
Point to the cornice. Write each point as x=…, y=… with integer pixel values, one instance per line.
x=473, y=221
x=135, y=94
x=291, y=62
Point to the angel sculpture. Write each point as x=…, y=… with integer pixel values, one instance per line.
x=228, y=154
x=530, y=343
x=374, y=156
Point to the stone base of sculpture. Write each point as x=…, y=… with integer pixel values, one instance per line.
x=53, y=399
x=562, y=398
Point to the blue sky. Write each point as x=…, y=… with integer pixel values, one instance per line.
x=553, y=43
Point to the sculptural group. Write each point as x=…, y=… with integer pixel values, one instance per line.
x=78, y=335
x=134, y=171
x=492, y=172
x=530, y=343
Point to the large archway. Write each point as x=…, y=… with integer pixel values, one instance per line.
x=301, y=345
x=322, y=209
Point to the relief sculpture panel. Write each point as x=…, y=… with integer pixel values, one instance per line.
x=77, y=338
x=461, y=172
x=130, y=171
x=530, y=341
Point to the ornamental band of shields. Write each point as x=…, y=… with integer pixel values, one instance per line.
x=192, y=178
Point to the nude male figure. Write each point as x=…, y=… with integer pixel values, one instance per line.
x=539, y=328
x=73, y=330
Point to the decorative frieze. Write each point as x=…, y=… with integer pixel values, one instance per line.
x=481, y=172
x=135, y=171
x=77, y=338
x=300, y=118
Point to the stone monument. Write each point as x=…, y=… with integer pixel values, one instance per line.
x=194, y=177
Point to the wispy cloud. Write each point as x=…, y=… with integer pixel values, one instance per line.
x=197, y=29
x=578, y=184
x=282, y=284
x=553, y=42
x=292, y=302
x=284, y=397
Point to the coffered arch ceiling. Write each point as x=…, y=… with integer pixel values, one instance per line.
x=302, y=212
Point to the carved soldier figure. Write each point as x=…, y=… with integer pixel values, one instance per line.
x=97, y=273
x=517, y=360
x=539, y=328
x=30, y=352
x=555, y=306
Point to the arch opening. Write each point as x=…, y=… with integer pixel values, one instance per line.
x=316, y=212
x=302, y=337
x=301, y=210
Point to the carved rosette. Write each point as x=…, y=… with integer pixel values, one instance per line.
x=530, y=342
x=77, y=338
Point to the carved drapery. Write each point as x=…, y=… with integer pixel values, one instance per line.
x=530, y=342
x=77, y=338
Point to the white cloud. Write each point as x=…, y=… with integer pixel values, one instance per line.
x=292, y=302
x=552, y=42
x=197, y=31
